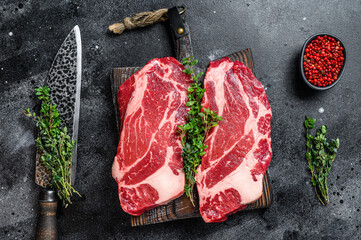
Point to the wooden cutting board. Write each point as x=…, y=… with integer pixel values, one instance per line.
x=181, y=208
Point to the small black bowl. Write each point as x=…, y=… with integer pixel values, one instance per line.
x=303, y=53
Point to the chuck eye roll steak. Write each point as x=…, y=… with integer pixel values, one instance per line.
x=239, y=148
x=148, y=165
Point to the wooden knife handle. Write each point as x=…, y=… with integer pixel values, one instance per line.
x=46, y=227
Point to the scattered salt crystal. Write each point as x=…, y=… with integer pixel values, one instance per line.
x=304, y=18
x=96, y=46
x=10, y=34
x=214, y=12
x=215, y=54
x=321, y=110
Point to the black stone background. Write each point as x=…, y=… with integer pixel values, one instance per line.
x=274, y=30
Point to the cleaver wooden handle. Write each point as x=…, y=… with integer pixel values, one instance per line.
x=46, y=227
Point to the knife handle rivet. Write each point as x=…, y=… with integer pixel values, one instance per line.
x=180, y=31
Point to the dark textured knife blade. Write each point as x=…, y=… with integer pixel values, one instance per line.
x=64, y=81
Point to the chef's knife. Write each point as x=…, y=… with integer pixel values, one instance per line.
x=64, y=81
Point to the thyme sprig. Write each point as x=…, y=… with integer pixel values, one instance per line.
x=193, y=134
x=320, y=155
x=55, y=145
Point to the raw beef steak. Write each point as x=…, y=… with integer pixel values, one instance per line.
x=239, y=148
x=148, y=164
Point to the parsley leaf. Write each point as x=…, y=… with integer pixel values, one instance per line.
x=320, y=155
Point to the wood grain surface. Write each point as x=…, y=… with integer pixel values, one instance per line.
x=181, y=208
x=47, y=226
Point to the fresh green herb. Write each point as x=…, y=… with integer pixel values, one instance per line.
x=320, y=155
x=195, y=131
x=54, y=144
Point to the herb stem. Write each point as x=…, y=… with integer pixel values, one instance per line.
x=54, y=144
x=320, y=155
x=195, y=131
